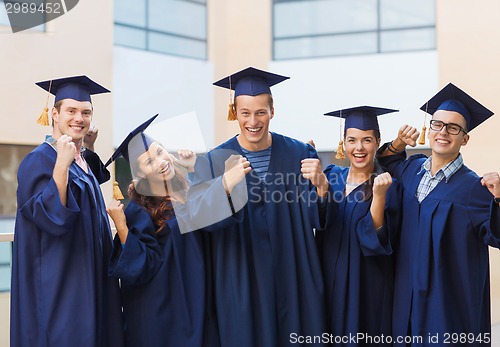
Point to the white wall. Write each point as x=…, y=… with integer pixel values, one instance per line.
x=402, y=81
x=146, y=83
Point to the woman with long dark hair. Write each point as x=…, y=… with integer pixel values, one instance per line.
x=161, y=269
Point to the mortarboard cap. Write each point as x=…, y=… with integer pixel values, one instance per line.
x=452, y=98
x=79, y=88
x=135, y=144
x=361, y=117
x=250, y=81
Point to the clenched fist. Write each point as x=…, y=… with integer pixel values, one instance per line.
x=381, y=184
x=66, y=150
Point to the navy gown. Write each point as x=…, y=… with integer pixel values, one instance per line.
x=267, y=284
x=163, y=283
x=61, y=294
x=100, y=172
x=357, y=262
x=442, y=283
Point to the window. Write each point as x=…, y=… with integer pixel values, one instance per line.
x=176, y=27
x=10, y=158
x=321, y=28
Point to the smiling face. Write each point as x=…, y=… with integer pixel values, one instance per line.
x=254, y=114
x=155, y=165
x=73, y=119
x=360, y=147
x=443, y=144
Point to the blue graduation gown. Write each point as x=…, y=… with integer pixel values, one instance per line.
x=357, y=262
x=265, y=268
x=442, y=283
x=61, y=293
x=163, y=283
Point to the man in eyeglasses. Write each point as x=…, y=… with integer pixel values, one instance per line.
x=450, y=216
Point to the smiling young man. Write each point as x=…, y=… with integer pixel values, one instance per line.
x=450, y=216
x=264, y=267
x=61, y=294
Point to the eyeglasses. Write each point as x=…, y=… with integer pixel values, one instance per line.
x=451, y=128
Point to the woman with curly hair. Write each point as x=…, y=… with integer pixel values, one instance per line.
x=161, y=269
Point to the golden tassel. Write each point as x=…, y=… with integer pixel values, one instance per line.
x=117, y=193
x=340, y=150
x=230, y=112
x=421, y=139
x=44, y=117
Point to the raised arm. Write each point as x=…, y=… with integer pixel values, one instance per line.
x=407, y=136
x=380, y=186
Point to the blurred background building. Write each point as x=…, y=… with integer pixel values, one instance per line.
x=161, y=56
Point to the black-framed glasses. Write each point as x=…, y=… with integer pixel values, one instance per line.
x=451, y=128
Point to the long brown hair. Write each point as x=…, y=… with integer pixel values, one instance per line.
x=160, y=208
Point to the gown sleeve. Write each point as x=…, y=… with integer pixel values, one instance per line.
x=38, y=197
x=381, y=242
x=484, y=214
x=138, y=261
x=96, y=165
x=395, y=164
x=326, y=207
x=208, y=205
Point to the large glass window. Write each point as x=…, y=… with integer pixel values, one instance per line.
x=176, y=27
x=320, y=28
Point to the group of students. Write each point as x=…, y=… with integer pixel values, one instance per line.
x=254, y=244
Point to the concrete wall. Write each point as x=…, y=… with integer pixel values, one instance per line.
x=147, y=83
x=4, y=319
x=400, y=81
x=239, y=36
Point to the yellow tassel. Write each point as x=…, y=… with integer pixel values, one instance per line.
x=421, y=139
x=230, y=113
x=340, y=150
x=44, y=117
x=117, y=193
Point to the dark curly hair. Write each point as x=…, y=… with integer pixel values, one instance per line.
x=160, y=208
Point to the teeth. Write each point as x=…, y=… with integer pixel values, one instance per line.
x=254, y=130
x=165, y=169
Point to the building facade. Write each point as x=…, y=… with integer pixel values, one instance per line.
x=161, y=56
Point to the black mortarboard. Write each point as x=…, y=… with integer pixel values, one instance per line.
x=250, y=81
x=136, y=143
x=452, y=98
x=361, y=117
x=79, y=88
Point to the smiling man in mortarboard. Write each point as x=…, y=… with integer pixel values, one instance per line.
x=266, y=273
x=61, y=293
x=450, y=217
